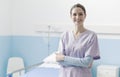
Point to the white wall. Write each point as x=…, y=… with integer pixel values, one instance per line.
x=27, y=14
x=5, y=17
x=5, y=32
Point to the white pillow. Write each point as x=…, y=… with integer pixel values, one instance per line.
x=50, y=62
x=50, y=59
x=50, y=65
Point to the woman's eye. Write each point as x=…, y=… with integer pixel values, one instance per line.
x=80, y=14
x=74, y=14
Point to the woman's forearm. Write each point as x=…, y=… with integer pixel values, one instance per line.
x=71, y=61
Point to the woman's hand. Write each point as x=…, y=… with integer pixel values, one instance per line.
x=90, y=65
x=59, y=57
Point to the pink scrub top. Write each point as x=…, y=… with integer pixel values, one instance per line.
x=86, y=44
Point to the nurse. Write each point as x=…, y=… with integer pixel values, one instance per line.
x=78, y=48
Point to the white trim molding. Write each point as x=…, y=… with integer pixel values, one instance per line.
x=103, y=31
x=111, y=32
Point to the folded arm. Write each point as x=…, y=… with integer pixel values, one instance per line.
x=73, y=61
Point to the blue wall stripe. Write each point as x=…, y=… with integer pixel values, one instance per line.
x=35, y=48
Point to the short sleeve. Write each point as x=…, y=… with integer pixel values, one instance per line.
x=61, y=47
x=93, y=48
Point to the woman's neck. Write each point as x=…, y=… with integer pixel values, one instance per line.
x=79, y=29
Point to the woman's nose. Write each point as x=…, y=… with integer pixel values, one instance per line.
x=77, y=17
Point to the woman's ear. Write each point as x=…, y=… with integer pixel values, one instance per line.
x=70, y=15
x=85, y=15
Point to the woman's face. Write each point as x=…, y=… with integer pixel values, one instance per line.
x=78, y=16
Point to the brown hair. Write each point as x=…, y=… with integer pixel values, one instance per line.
x=78, y=5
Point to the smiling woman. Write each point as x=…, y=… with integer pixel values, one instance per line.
x=78, y=47
x=18, y=20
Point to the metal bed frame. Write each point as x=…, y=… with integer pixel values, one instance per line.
x=26, y=69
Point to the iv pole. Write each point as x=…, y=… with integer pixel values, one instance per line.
x=49, y=39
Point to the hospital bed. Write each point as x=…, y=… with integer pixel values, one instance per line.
x=47, y=68
x=42, y=72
